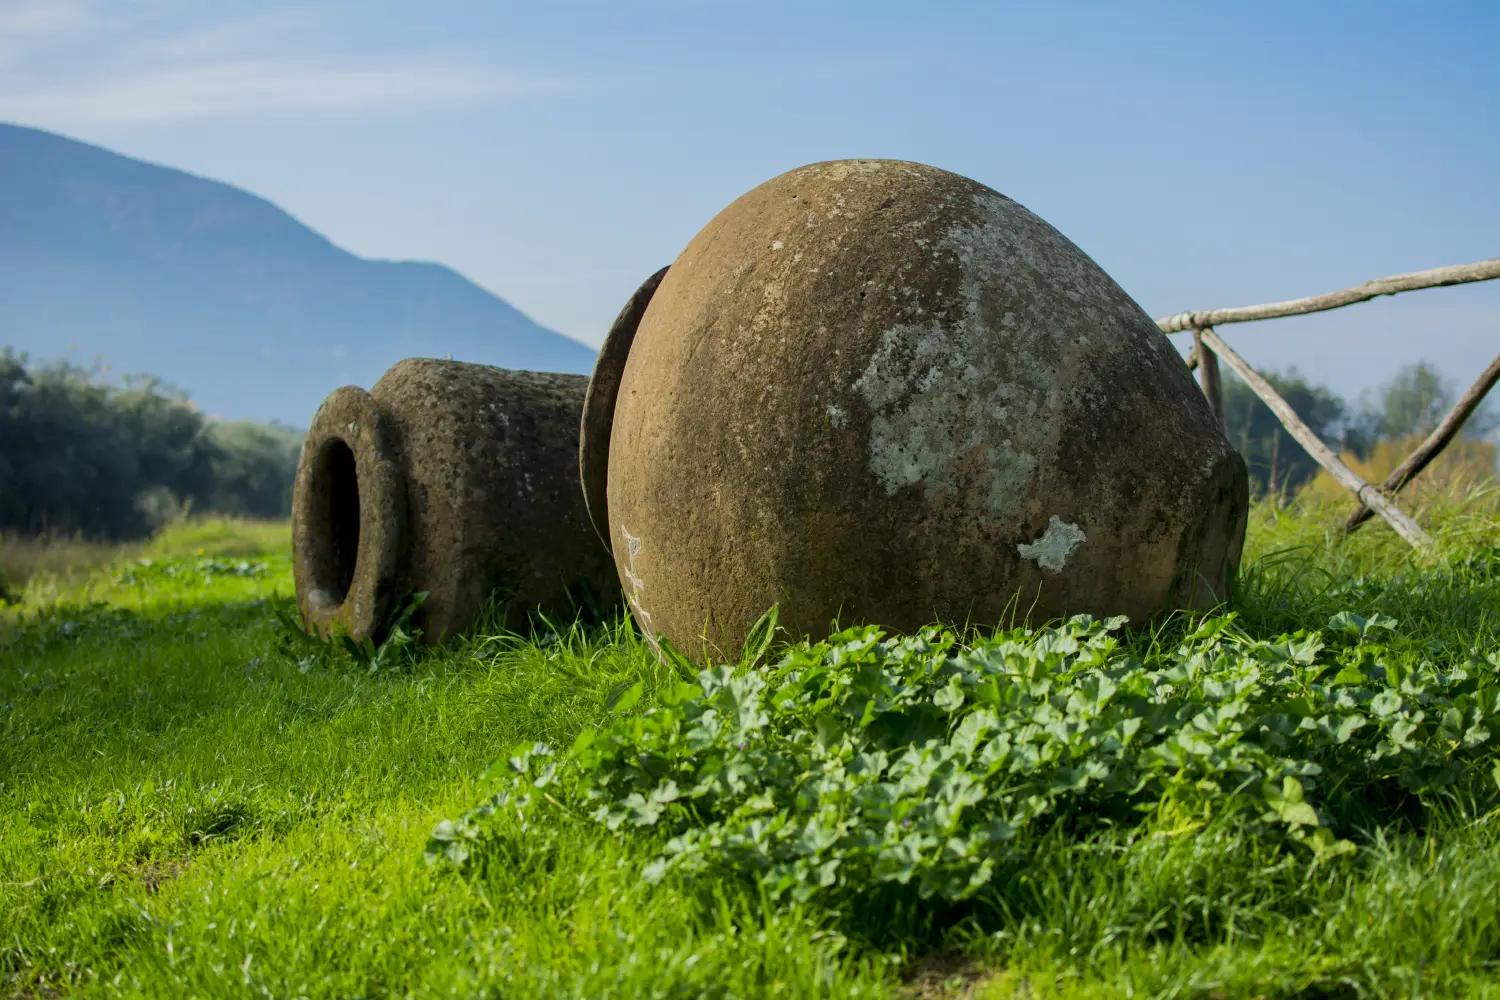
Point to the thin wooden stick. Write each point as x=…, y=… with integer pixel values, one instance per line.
x=1321, y=453
x=1436, y=441
x=1457, y=274
x=1208, y=374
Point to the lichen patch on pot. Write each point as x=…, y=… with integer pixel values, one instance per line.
x=933, y=407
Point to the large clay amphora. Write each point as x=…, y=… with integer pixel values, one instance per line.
x=876, y=391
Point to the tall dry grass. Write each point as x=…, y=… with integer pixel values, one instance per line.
x=25, y=559
x=1456, y=499
x=1463, y=465
x=29, y=566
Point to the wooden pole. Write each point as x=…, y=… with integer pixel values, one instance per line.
x=1321, y=453
x=1208, y=375
x=1436, y=441
x=1437, y=277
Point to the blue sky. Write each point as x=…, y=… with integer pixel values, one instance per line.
x=1206, y=154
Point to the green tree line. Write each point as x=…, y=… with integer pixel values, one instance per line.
x=1411, y=403
x=81, y=456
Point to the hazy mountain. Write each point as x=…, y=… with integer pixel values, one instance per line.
x=220, y=292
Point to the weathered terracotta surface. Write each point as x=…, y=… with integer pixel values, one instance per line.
x=463, y=481
x=878, y=391
x=599, y=403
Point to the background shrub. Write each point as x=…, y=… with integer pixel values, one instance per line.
x=82, y=457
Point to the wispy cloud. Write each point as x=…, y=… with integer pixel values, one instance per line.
x=161, y=69
x=30, y=25
x=254, y=86
x=232, y=37
x=42, y=17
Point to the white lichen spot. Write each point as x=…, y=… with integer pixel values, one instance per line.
x=632, y=549
x=836, y=415
x=1057, y=543
x=634, y=586
x=777, y=245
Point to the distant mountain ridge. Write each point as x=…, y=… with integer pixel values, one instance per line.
x=219, y=291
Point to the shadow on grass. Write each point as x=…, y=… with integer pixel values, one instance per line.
x=39, y=631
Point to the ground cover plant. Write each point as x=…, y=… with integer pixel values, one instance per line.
x=1295, y=798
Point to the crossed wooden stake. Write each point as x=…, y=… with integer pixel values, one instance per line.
x=1209, y=348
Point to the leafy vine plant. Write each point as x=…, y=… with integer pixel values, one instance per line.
x=927, y=762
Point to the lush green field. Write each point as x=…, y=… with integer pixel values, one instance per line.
x=196, y=802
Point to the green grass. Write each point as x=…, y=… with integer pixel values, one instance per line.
x=194, y=802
